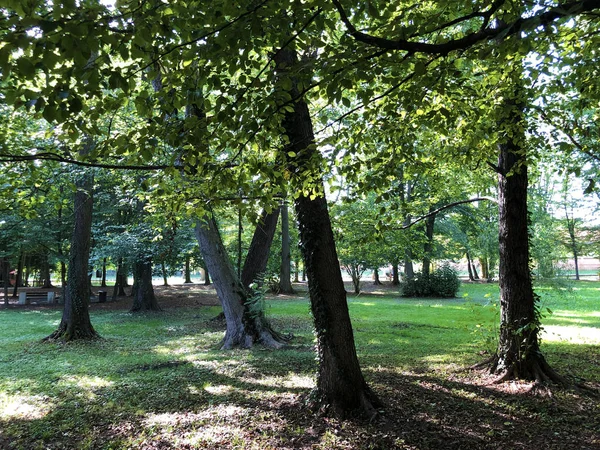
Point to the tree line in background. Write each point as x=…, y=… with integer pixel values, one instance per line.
x=126, y=125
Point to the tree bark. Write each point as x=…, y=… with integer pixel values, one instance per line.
x=75, y=323
x=518, y=355
x=285, y=275
x=103, y=282
x=395, y=274
x=258, y=253
x=188, y=278
x=144, y=298
x=340, y=383
x=573, y=242
x=376, y=280
x=471, y=277
x=245, y=321
x=119, y=290
x=163, y=269
x=45, y=273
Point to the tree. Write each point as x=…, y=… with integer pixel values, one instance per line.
x=340, y=383
x=285, y=275
x=75, y=323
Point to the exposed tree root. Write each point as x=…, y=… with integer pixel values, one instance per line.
x=70, y=333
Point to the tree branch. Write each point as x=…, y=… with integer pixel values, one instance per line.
x=561, y=11
x=443, y=208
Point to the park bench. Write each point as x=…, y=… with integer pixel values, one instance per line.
x=28, y=297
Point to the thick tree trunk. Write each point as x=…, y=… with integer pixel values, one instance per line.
x=258, y=253
x=246, y=324
x=376, y=280
x=285, y=275
x=207, y=280
x=118, y=290
x=340, y=383
x=484, y=268
x=395, y=274
x=143, y=290
x=75, y=323
x=518, y=355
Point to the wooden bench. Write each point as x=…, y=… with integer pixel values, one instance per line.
x=26, y=298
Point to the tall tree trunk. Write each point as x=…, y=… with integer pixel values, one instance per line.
x=471, y=276
x=246, y=324
x=573, y=242
x=258, y=253
x=103, y=282
x=484, y=268
x=395, y=274
x=144, y=298
x=340, y=383
x=118, y=290
x=428, y=246
x=188, y=273
x=163, y=270
x=376, y=280
x=518, y=354
x=297, y=271
x=75, y=323
x=45, y=273
x=207, y=280
x=285, y=275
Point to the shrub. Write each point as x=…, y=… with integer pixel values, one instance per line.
x=442, y=282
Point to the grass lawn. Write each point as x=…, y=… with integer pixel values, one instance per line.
x=159, y=381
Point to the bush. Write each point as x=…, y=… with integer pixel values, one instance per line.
x=442, y=282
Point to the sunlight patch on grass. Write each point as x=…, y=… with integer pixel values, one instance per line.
x=24, y=407
x=222, y=389
x=572, y=334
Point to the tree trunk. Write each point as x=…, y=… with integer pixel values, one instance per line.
x=573, y=239
x=188, y=278
x=285, y=275
x=163, y=270
x=45, y=273
x=103, y=282
x=376, y=280
x=471, y=277
x=258, y=253
x=340, y=383
x=484, y=268
x=395, y=274
x=518, y=355
x=75, y=323
x=297, y=271
x=207, y=281
x=143, y=290
x=246, y=324
x=428, y=246
x=118, y=290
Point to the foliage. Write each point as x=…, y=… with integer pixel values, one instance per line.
x=442, y=282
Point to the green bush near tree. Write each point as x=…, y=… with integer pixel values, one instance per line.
x=442, y=282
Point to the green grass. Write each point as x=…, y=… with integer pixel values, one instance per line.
x=162, y=376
